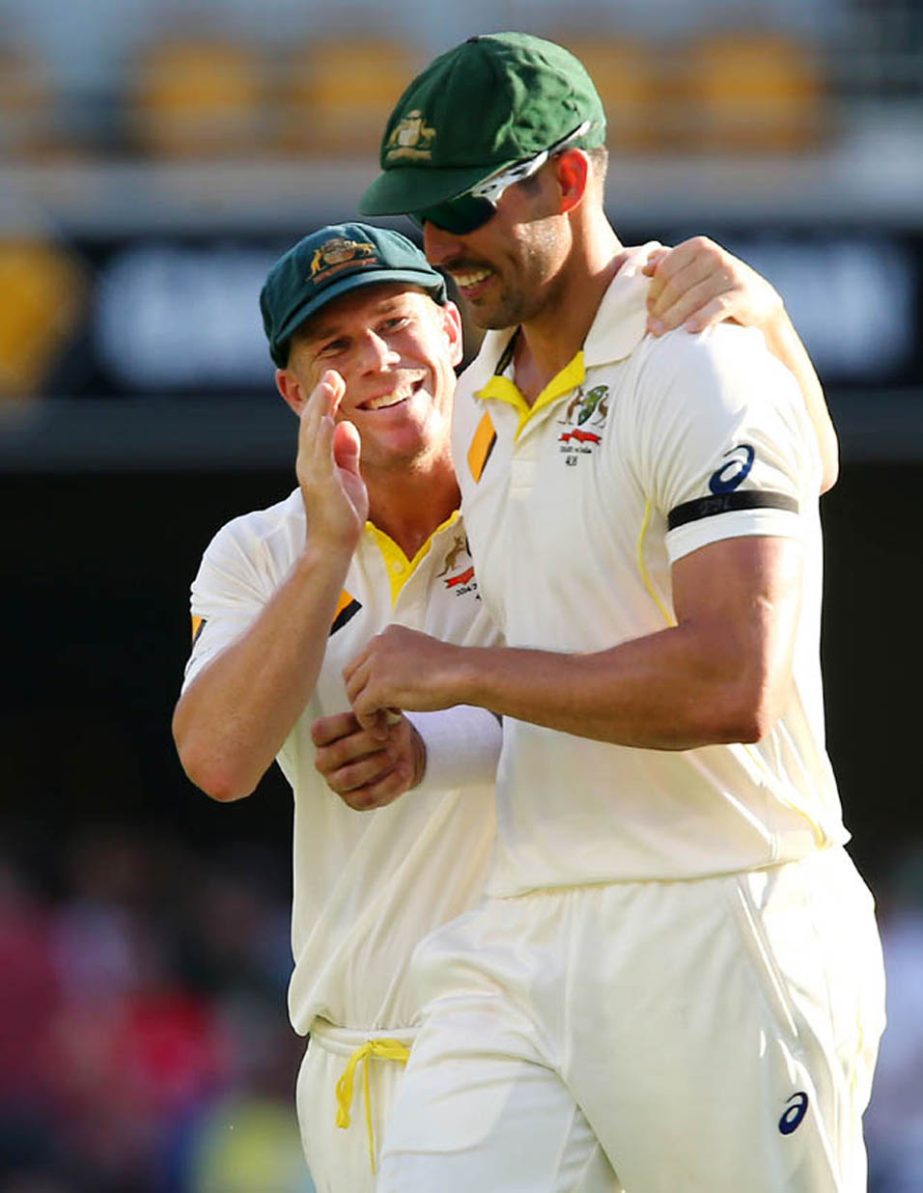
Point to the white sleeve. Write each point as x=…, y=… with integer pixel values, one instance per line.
x=462, y=746
x=725, y=447
x=228, y=594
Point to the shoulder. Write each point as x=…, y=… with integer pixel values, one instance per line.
x=721, y=353
x=262, y=531
x=720, y=372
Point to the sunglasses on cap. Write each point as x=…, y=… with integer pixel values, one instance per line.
x=470, y=210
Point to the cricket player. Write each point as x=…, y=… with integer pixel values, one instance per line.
x=365, y=343
x=675, y=949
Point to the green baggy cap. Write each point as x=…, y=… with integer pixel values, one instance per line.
x=491, y=102
x=331, y=262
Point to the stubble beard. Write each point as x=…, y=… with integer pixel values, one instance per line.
x=535, y=289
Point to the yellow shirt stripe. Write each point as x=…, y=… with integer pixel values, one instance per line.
x=484, y=438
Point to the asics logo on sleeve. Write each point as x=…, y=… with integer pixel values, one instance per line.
x=797, y=1108
x=735, y=471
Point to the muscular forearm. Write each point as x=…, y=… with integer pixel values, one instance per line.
x=675, y=690
x=785, y=344
x=721, y=674
x=233, y=718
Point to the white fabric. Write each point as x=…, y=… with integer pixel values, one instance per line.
x=462, y=746
x=367, y=885
x=718, y=1036
x=338, y=1157
x=569, y=526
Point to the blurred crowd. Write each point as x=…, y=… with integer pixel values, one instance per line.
x=145, y=1043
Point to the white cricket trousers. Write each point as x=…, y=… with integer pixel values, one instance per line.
x=717, y=1036
x=344, y=1160
x=347, y=1078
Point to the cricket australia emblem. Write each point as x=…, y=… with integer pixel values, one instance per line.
x=458, y=568
x=410, y=139
x=339, y=253
x=585, y=419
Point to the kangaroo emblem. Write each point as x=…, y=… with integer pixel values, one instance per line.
x=459, y=544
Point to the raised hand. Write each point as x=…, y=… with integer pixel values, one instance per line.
x=335, y=496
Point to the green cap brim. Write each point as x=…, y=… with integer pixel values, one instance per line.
x=415, y=188
x=379, y=277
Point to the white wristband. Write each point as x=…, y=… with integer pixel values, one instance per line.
x=462, y=746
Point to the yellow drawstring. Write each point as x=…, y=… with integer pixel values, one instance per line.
x=383, y=1049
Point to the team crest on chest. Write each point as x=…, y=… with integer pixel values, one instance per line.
x=585, y=419
x=458, y=569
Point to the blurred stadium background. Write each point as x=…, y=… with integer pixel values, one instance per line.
x=155, y=156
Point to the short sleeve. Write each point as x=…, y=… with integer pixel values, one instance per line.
x=230, y=589
x=725, y=446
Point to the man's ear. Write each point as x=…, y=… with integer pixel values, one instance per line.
x=572, y=170
x=289, y=387
x=452, y=322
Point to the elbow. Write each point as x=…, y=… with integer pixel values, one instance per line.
x=211, y=773
x=208, y=765
x=747, y=715
x=220, y=787
x=749, y=727
x=216, y=781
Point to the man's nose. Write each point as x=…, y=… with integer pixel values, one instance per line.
x=375, y=352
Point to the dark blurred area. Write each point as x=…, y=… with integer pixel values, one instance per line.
x=155, y=157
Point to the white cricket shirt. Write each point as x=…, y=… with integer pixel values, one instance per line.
x=367, y=885
x=641, y=451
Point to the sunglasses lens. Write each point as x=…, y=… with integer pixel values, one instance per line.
x=460, y=216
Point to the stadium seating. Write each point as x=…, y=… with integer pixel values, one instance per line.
x=753, y=93
x=27, y=106
x=338, y=93
x=198, y=98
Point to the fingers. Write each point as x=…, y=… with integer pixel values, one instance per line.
x=324, y=399
x=362, y=772
x=654, y=257
x=347, y=445
x=321, y=405
x=315, y=435
x=367, y=773
x=685, y=280
x=341, y=740
x=699, y=283
x=708, y=315
x=368, y=712
x=332, y=387
x=697, y=307
x=379, y=793
x=327, y=730
x=392, y=673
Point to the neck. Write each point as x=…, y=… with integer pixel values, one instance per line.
x=409, y=511
x=556, y=334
